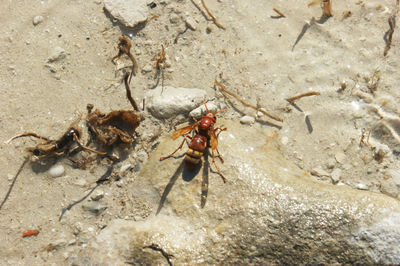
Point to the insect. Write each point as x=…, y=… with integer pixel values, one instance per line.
x=56, y=147
x=204, y=131
x=115, y=126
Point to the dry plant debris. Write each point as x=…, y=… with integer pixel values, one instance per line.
x=310, y=93
x=224, y=91
x=124, y=47
x=116, y=125
x=326, y=6
x=212, y=16
x=280, y=14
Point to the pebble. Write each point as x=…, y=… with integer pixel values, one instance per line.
x=340, y=157
x=174, y=18
x=94, y=207
x=191, y=23
x=362, y=186
x=201, y=110
x=336, y=174
x=169, y=101
x=388, y=187
x=56, y=170
x=125, y=167
x=10, y=177
x=129, y=12
x=97, y=196
x=247, y=120
x=318, y=171
x=37, y=19
x=147, y=68
x=80, y=182
x=56, y=54
x=330, y=164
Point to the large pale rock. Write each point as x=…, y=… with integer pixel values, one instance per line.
x=128, y=12
x=269, y=212
x=167, y=102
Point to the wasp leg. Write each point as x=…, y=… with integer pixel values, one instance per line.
x=218, y=171
x=180, y=147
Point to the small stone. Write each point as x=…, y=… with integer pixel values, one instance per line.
x=98, y=195
x=284, y=140
x=388, y=187
x=340, y=157
x=37, y=19
x=10, y=177
x=125, y=167
x=330, y=164
x=174, y=18
x=128, y=12
x=94, y=207
x=169, y=101
x=191, y=23
x=147, y=68
x=247, y=120
x=56, y=54
x=336, y=174
x=318, y=171
x=201, y=110
x=362, y=186
x=56, y=170
x=80, y=182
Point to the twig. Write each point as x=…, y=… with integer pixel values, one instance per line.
x=392, y=22
x=165, y=254
x=327, y=8
x=310, y=93
x=281, y=15
x=223, y=89
x=212, y=17
x=128, y=92
x=13, y=182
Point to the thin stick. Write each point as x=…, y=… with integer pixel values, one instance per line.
x=27, y=134
x=128, y=92
x=13, y=182
x=391, y=21
x=281, y=15
x=310, y=93
x=212, y=17
x=223, y=89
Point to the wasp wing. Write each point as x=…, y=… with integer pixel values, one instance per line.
x=182, y=131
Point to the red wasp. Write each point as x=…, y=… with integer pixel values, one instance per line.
x=204, y=130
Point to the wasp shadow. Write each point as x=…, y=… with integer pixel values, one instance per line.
x=187, y=175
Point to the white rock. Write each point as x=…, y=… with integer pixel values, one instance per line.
x=168, y=102
x=191, y=23
x=97, y=195
x=247, y=120
x=128, y=12
x=125, y=167
x=362, y=186
x=201, y=110
x=57, y=53
x=37, y=19
x=10, y=177
x=340, y=157
x=336, y=174
x=174, y=18
x=147, y=68
x=318, y=171
x=56, y=170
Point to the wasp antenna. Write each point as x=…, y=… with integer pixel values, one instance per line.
x=218, y=111
x=205, y=104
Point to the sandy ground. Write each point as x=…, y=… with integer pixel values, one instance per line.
x=262, y=59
